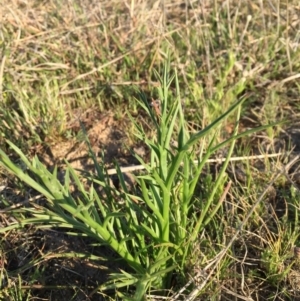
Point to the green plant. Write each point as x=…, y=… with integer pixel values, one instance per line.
x=154, y=228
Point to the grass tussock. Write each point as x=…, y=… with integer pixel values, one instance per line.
x=212, y=212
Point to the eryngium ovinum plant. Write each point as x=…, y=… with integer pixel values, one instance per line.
x=153, y=230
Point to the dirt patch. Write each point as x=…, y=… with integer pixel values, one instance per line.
x=104, y=133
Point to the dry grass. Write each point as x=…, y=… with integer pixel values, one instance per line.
x=62, y=61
